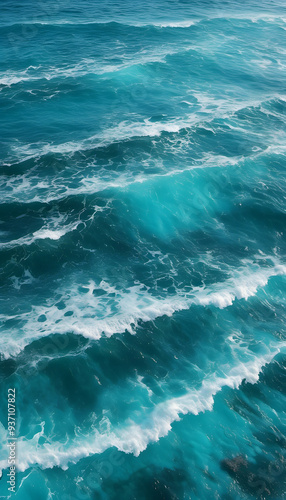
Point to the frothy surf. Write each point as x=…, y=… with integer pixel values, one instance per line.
x=56, y=189
x=126, y=130
x=134, y=438
x=89, y=67
x=117, y=311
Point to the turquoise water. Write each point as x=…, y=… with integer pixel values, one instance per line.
x=143, y=249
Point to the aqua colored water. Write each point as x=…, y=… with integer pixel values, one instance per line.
x=143, y=248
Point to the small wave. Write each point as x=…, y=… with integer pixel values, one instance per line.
x=53, y=230
x=177, y=24
x=126, y=130
x=88, y=22
x=254, y=17
x=89, y=67
x=134, y=438
x=94, y=316
x=27, y=190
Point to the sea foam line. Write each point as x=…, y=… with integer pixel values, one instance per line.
x=89, y=185
x=41, y=234
x=254, y=17
x=90, y=67
x=54, y=228
x=117, y=312
x=186, y=23
x=133, y=437
x=127, y=130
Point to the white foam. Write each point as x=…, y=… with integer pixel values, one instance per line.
x=134, y=437
x=89, y=66
x=186, y=23
x=210, y=108
x=26, y=279
x=177, y=24
x=135, y=24
x=254, y=17
x=29, y=190
x=123, y=131
x=53, y=230
x=92, y=66
x=118, y=311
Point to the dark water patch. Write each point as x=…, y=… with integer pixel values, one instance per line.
x=275, y=375
x=264, y=479
x=7, y=368
x=152, y=483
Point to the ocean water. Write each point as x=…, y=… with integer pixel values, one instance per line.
x=143, y=248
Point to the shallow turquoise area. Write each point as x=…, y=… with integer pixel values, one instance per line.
x=142, y=248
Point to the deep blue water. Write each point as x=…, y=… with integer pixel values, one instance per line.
x=143, y=248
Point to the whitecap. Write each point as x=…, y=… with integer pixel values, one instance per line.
x=135, y=437
x=117, y=311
